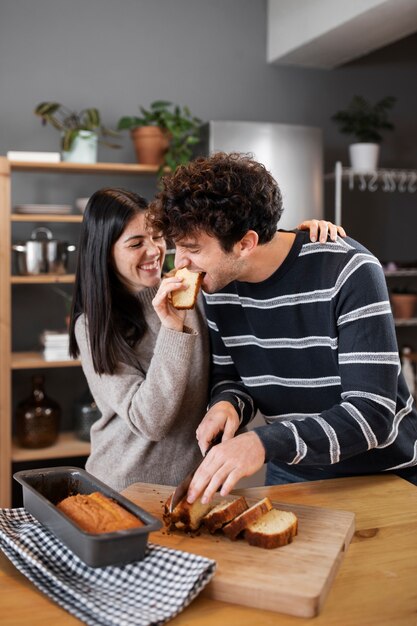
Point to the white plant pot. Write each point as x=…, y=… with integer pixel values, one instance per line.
x=84, y=148
x=364, y=156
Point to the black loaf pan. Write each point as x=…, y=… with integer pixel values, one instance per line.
x=44, y=488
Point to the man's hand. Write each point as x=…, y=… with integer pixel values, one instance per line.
x=222, y=417
x=225, y=464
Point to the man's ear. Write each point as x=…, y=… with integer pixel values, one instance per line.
x=248, y=243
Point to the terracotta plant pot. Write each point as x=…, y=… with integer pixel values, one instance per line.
x=403, y=305
x=150, y=143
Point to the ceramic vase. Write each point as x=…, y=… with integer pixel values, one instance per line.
x=83, y=149
x=364, y=156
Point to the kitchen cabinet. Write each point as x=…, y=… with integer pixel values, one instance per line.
x=10, y=361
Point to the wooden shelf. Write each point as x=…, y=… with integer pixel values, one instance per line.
x=42, y=279
x=401, y=273
x=43, y=217
x=66, y=446
x=81, y=168
x=412, y=321
x=29, y=360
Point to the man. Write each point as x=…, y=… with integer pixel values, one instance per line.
x=302, y=332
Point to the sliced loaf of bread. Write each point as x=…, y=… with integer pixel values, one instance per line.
x=223, y=513
x=233, y=529
x=272, y=530
x=185, y=516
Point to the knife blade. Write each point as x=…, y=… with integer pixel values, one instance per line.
x=182, y=488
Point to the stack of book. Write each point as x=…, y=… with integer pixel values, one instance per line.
x=55, y=345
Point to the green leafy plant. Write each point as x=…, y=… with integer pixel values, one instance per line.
x=365, y=121
x=67, y=298
x=70, y=123
x=181, y=127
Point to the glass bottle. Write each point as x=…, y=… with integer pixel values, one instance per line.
x=85, y=413
x=407, y=369
x=37, y=418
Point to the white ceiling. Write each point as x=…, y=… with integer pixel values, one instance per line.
x=327, y=33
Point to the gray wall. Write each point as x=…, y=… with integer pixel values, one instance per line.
x=210, y=55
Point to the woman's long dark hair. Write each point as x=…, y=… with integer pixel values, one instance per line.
x=114, y=319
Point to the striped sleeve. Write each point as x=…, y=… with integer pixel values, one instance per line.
x=226, y=384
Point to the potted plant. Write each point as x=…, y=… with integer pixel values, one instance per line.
x=365, y=122
x=403, y=302
x=163, y=134
x=67, y=299
x=79, y=131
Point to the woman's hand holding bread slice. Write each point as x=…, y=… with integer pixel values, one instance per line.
x=177, y=293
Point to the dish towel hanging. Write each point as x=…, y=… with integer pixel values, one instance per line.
x=142, y=593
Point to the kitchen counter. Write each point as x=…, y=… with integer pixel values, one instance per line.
x=376, y=583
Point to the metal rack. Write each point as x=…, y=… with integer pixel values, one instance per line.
x=386, y=180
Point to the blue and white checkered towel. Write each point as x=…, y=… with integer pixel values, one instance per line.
x=142, y=593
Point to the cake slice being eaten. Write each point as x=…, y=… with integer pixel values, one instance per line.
x=186, y=298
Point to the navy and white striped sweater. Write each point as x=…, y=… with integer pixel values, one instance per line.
x=313, y=347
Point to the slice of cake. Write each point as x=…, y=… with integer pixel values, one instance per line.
x=239, y=523
x=186, y=298
x=185, y=516
x=272, y=530
x=223, y=513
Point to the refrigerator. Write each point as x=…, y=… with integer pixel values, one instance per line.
x=293, y=154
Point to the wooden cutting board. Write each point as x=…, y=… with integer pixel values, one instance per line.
x=294, y=579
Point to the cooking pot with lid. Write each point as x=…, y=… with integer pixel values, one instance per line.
x=42, y=254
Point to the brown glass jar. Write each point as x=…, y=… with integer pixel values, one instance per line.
x=37, y=418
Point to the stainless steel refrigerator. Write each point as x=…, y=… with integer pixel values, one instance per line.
x=293, y=155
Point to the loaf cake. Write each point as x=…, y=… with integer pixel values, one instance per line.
x=273, y=530
x=186, y=298
x=96, y=513
x=239, y=523
x=261, y=524
x=185, y=516
x=223, y=513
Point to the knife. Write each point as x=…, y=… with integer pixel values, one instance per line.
x=182, y=488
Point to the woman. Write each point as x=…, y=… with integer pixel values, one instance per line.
x=146, y=363
x=146, y=366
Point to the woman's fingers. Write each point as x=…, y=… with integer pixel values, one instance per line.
x=321, y=230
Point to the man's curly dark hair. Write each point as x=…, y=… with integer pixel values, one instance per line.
x=224, y=195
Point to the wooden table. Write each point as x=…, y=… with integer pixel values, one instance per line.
x=376, y=584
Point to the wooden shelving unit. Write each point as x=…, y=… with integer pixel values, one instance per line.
x=34, y=360
x=67, y=445
x=42, y=280
x=38, y=217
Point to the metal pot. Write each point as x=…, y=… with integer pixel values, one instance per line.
x=44, y=255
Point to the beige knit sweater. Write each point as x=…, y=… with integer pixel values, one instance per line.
x=150, y=414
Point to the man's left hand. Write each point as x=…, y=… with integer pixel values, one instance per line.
x=225, y=464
